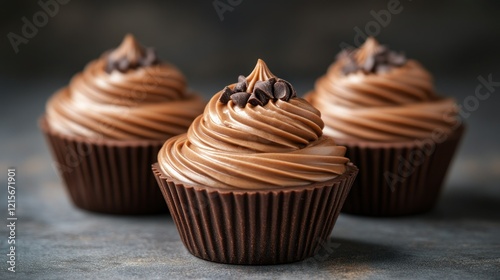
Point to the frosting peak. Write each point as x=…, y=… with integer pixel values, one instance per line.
x=369, y=49
x=130, y=55
x=371, y=57
x=260, y=73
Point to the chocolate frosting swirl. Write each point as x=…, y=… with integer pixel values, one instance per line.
x=276, y=145
x=126, y=94
x=373, y=94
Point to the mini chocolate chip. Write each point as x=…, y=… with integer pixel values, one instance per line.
x=123, y=65
x=109, y=66
x=150, y=58
x=382, y=50
x=254, y=100
x=369, y=64
x=281, y=90
x=262, y=92
x=380, y=59
x=384, y=68
x=350, y=67
x=265, y=87
x=226, y=95
x=263, y=97
x=293, y=93
x=240, y=98
x=241, y=85
x=397, y=59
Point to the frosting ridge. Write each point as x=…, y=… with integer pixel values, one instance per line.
x=275, y=145
x=374, y=94
x=140, y=99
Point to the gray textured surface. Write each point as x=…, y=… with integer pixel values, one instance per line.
x=459, y=239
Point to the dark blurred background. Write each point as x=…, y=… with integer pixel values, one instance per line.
x=456, y=40
x=298, y=39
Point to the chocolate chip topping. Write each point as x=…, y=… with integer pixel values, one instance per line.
x=370, y=58
x=281, y=91
x=256, y=100
x=258, y=88
x=241, y=85
x=226, y=95
x=265, y=87
x=130, y=55
x=271, y=89
x=240, y=98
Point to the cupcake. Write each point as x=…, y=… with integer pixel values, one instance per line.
x=254, y=181
x=106, y=127
x=402, y=135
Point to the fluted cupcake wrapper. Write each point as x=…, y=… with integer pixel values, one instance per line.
x=402, y=179
x=107, y=176
x=255, y=227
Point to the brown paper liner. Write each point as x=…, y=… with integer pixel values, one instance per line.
x=255, y=227
x=417, y=180
x=107, y=176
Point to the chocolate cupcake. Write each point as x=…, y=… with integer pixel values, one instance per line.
x=105, y=129
x=254, y=181
x=400, y=133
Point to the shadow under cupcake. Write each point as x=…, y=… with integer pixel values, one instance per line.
x=105, y=129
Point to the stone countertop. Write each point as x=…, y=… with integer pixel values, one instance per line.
x=460, y=239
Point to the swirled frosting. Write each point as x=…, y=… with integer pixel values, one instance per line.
x=279, y=144
x=126, y=94
x=374, y=94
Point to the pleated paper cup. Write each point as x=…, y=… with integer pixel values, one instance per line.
x=255, y=226
x=398, y=179
x=107, y=176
